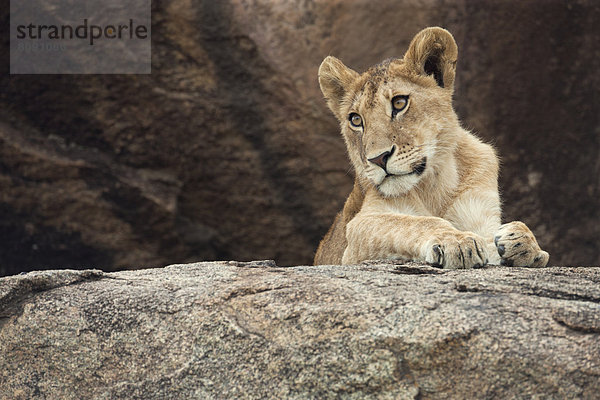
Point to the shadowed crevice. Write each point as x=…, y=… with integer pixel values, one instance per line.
x=238, y=69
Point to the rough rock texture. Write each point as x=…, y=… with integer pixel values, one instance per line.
x=227, y=150
x=255, y=330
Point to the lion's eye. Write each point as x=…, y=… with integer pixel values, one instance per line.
x=399, y=103
x=355, y=120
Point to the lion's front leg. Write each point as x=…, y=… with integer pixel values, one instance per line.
x=518, y=247
x=419, y=238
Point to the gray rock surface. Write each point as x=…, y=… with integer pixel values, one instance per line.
x=254, y=330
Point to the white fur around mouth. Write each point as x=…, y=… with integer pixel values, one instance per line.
x=396, y=187
x=389, y=178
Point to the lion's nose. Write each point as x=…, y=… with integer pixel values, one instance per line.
x=381, y=160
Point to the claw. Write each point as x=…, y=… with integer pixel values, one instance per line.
x=507, y=262
x=437, y=250
x=501, y=250
x=479, y=252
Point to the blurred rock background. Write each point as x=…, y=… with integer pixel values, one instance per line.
x=227, y=150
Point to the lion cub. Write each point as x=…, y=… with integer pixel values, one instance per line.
x=425, y=188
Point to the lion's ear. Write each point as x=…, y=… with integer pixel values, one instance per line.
x=433, y=51
x=335, y=79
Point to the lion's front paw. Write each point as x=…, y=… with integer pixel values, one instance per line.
x=457, y=251
x=517, y=246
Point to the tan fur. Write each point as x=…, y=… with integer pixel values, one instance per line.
x=425, y=188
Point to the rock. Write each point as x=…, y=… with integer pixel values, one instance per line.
x=227, y=150
x=238, y=330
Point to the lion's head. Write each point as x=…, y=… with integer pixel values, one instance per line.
x=397, y=117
